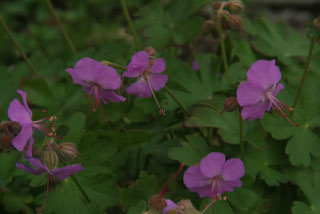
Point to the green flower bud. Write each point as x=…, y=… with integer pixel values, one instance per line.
x=49, y=158
x=67, y=151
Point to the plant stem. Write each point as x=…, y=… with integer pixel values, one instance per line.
x=223, y=48
x=306, y=66
x=75, y=180
x=64, y=32
x=130, y=23
x=242, y=153
x=114, y=65
x=177, y=100
x=3, y=23
x=205, y=209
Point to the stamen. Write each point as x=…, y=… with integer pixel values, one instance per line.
x=273, y=100
x=161, y=110
x=104, y=115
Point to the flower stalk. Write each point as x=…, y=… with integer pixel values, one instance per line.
x=223, y=48
x=177, y=100
x=304, y=73
x=114, y=65
x=242, y=152
x=85, y=195
x=4, y=25
x=63, y=30
x=130, y=23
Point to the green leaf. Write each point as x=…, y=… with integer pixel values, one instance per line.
x=141, y=206
x=301, y=146
x=301, y=208
x=191, y=152
x=222, y=207
x=16, y=203
x=242, y=198
x=7, y=166
x=245, y=54
x=75, y=123
x=146, y=186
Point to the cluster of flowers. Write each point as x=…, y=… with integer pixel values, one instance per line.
x=99, y=80
x=210, y=178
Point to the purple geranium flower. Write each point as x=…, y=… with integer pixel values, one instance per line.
x=97, y=80
x=39, y=168
x=23, y=115
x=148, y=70
x=214, y=175
x=258, y=94
x=170, y=205
x=195, y=65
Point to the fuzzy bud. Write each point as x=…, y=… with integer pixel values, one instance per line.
x=157, y=202
x=235, y=6
x=49, y=158
x=316, y=22
x=9, y=130
x=235, y=21
x=67, y=151
x=217, y=5
x=230, y=104
x=150, y=51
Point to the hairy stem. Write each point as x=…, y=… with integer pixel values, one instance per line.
x=223, y=48
x=306, y=66
x=3, y=23
x=63, y=30
x=114, y=65
x=130, y=23
x=242, y=153
x=75, y=180
x=177, y=100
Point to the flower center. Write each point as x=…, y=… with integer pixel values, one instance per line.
x=47, y=128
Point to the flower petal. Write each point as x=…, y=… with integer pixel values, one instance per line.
x=19, y=113
x=28, y=152
x=204, y=191
x=265, y=73
x=29, y=169
x=107, y=77
x=140, y=88
x=110, y=95
x=137, y=65
x=24, y=98
x=20, y=141
x=36, y=163
x=249, y=93
x=83, y=70
x=195, y=65
x=278, y=89
x=227, y=186
x=158, y=66
x=170, y=205
x=158, y=81
x=64, y=172
x=212, y=164
x=194, y=178
x=233, y=169
x=255, y=111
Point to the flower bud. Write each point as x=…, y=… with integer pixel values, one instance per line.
x=217, y=5
x=67, y=151
x=157, y=202
x=230, y=104
x=49, y=158
x=150, y=51
x=9, y=130
x=235, y=6
x=316, y=22
x=235, y=21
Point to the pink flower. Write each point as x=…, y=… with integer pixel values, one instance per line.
x=39, y=168
x=258, y=93
x=214, y=175
x=195, y=65
x=23, y=115
x=148, y=71
x=170, y=205
x=97, y=80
